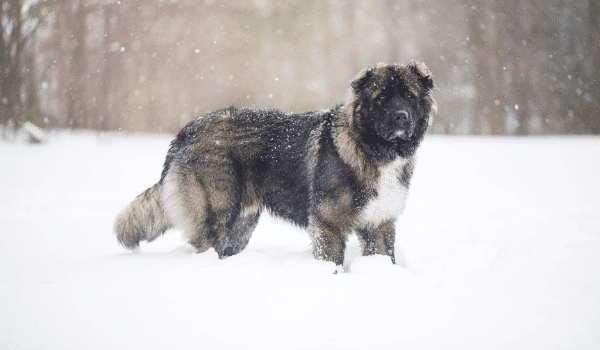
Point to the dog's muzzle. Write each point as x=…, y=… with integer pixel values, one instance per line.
x=404, y=126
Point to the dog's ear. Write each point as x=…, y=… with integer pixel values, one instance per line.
x=423, y=73
x=362, y=79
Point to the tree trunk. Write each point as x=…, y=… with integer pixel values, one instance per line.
x=76, y=107
x=10, y=63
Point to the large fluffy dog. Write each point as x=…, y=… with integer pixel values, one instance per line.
x=333, y=172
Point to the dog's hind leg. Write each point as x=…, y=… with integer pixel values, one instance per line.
x=187, y=205
x=235, y=208
x=206, y=201
x=236, y=237
x=229, y=224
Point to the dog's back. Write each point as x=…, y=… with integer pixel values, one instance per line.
x=221, y=171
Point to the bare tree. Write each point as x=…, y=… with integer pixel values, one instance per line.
x=589, y=69
x=12, y=45
x=19, y=22
x=488, y=116
x=77, y=116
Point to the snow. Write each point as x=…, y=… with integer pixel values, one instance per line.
x=499, y=248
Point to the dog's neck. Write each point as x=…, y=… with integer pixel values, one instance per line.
x=351, y=145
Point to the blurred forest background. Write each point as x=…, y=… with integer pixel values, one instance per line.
x=517, y=67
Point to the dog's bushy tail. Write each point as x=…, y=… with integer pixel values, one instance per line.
x=144, y=219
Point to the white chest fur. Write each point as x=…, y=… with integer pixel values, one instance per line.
x=391, y=194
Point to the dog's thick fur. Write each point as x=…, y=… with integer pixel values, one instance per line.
x=333, y=172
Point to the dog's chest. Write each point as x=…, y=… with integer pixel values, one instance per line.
x=391, y=194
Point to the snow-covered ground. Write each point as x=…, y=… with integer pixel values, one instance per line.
x=499, y=249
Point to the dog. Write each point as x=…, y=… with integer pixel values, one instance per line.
x=332, y=172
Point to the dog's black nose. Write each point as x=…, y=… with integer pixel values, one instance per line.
x=401, y=116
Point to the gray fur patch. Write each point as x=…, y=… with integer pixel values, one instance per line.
x=407, y=172
x=143, y=219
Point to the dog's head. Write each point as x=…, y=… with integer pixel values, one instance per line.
x=393, y=105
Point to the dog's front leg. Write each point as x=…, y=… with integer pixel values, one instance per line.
x=328, y=240
x=378, y=238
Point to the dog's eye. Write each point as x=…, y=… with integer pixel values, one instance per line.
x=409, y=94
